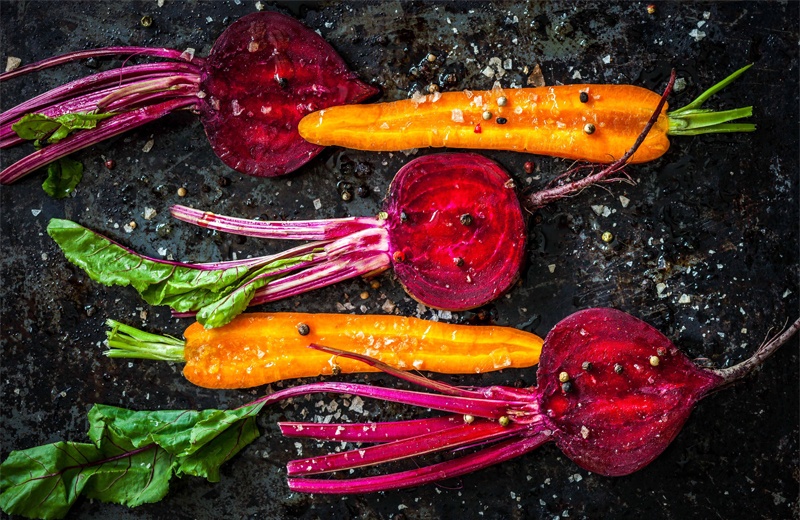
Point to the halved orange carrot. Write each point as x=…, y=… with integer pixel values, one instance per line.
x=596, y=123
x=261, y=348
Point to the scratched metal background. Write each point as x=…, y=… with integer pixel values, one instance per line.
x=715, y=219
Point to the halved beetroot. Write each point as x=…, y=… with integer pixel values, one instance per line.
x=617, y=389
x=453, y=229
x=456, y=230
x=264, y=73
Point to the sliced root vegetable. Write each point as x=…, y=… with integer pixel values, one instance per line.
x=595, y=123
x=456, y=231
x=264, y=73
x=257, y=349
x=613, y=393
x=453, y=228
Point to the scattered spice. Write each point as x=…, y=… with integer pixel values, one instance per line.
x=584, y=97
x=303, y=329
x=364, y=295
x=182, y=192
x=607, y=237
x=529, y=166
x=146, y=21
x=111, y=164
x=486, y=115
x=589, y=128
x=502, y=120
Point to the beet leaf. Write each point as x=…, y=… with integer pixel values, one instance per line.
x=216, y=291
x=62, y=177
x=611, y=400
x=130, y=460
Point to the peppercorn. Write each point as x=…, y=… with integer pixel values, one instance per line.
x=584, y=97
x=501, y=120
x=529, y=166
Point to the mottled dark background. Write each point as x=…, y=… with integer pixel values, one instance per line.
x=715, y=219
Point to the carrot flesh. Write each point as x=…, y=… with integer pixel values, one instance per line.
x=261, y=348
x=546, y=120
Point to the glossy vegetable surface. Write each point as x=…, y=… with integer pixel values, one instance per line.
x=264, y=73
x=596, y=123
x=612, y=393
x=257, y=348
x=453, y=228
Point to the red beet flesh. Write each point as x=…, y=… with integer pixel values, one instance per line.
x=456, y=230
x=620, y=413
x=264, y=73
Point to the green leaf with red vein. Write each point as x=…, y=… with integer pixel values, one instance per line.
x=130, y=461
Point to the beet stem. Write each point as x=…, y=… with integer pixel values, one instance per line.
x=149, y=86
x=368, y=432
x=102, y=51
x=431, y=442
x=292, y=230
x=443, y=470
x=95, y=82
x=487, y=408
x=424, y=382
x=105, y=129
x=544, y=197
x=732, y=374
x=360, y=254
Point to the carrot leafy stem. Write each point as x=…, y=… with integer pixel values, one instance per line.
x=695, y=120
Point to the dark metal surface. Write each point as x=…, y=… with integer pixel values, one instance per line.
x=715, y=219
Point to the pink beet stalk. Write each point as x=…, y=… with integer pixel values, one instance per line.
x=612, y=394
x=264, y=73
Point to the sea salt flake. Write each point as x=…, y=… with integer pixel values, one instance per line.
x=697, y=35
x=317, y=204
x=35, y=212
x=12, y=63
